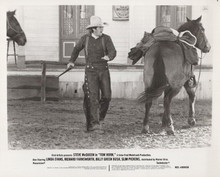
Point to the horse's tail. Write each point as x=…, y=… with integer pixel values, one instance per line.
x=150, y=94
x=159, y=82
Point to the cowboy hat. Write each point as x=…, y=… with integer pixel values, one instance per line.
x=95, y=21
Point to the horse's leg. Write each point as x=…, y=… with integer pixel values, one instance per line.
x=192, y=99
x=167, y=121
x=145, y=128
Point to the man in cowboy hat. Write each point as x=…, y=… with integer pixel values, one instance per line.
x=99, y=49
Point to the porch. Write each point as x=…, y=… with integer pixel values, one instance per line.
x=126, y=81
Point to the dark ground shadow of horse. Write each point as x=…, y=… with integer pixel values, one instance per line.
x=14, y=30
x=165, y=71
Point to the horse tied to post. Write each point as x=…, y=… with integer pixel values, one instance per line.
x=167, y=69
x=14, y=30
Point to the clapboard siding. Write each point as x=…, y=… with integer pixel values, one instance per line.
x=42, y=31
x=38, y=40
x=143, y=18
x=44, y=36
x=118, y=30
x=41, y=26
x=42, y=50
x=48, y=44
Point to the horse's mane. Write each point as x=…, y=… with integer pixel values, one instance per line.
x=13, y=21
x=190, y=25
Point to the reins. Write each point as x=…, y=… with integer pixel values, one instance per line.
x=200, y=68
x=200, y=58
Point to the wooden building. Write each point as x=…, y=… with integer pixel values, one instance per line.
x=52, y=32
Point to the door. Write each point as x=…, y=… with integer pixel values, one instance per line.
x=173, y=16
x=73, y=22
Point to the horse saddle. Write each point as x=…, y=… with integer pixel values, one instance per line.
x=185, y=39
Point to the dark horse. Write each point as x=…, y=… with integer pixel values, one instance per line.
x=14, y=30
x=165, y=71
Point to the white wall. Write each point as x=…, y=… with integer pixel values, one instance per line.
x=118, y=30
x=143, y=18
x=41, y=26
x=126, y=34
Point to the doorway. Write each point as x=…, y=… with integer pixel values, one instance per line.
x=73, y=22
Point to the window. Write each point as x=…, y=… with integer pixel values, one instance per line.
x=172, y=16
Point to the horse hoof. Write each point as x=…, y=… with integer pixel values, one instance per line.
x=170, y=130
x=162, y=132
x=191, y=122
x=144, y=131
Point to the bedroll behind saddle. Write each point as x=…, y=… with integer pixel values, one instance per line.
x=185, y=39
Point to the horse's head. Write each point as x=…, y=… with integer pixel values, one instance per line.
x=144, y=40
x=14, y=30
x=196, y=28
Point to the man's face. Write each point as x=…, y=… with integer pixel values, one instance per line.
x=98, y=31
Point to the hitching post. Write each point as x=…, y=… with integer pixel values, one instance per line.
x=43, y=82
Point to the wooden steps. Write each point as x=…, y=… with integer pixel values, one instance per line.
x=30, y=87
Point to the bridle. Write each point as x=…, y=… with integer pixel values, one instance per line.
x=10, y=27
x=199, y=32
x=200, y=69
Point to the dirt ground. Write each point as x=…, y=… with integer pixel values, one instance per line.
x=61, y=125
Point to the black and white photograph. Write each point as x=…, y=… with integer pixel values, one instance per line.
x=118, y=88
